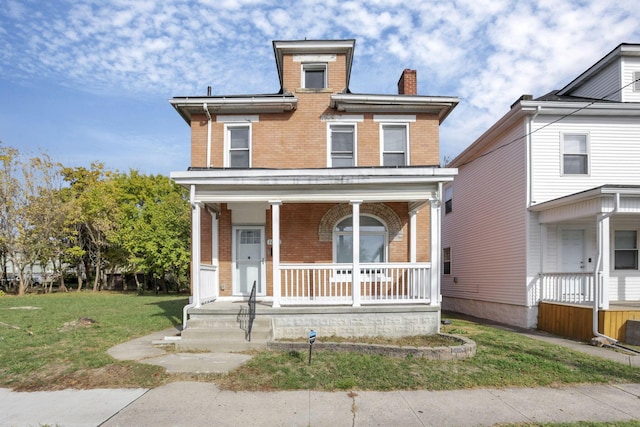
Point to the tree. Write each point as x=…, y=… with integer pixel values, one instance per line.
x=153, y=231
x=95, y=207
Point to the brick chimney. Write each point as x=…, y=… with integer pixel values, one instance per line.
x=408, y=83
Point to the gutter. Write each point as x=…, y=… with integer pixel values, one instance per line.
x=596, y=271
x=206, y=110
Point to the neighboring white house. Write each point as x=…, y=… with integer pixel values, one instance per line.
x=546, y=204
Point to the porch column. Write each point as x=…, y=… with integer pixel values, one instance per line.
x=195, y=249
x=435, y=251
x=215, y=251
x=602, y=288
x=355, y=272
x=413, y=236
x=275, y=246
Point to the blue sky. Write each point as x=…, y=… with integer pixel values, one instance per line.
x=90, y=80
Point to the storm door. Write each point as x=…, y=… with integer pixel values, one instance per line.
x=248, y=259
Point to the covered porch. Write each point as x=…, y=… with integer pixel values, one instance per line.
x=589, y=279
x=348, y=237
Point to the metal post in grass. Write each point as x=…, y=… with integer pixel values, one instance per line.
x=312, y=339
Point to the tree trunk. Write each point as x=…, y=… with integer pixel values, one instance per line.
x=79, y=277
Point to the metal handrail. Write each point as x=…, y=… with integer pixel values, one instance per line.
x=252, y=310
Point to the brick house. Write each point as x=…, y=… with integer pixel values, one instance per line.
x=319, y=196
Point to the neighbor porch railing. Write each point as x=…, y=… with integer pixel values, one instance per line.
x=576, y=288
x=327, y=284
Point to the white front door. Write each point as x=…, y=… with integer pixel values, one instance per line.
x=573, y=251
x=248, y=259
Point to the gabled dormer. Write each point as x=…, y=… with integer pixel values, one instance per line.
x=616, y=77
x=314, y=65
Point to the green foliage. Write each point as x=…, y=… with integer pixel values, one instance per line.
x=92, y=221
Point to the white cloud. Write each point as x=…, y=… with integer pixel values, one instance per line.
x=488, y=52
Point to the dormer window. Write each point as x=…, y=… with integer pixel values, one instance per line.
x=314, y=76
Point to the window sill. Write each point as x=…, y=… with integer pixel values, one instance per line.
x=306, y=90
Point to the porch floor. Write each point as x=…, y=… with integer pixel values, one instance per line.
x=265, y=308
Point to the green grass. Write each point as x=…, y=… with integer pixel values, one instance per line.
x=43, y=346
x=44, y=349
x=503, y=359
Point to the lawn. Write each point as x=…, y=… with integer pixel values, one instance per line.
x=44, y=346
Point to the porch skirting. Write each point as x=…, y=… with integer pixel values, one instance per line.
x=296, y=322
x=510, y=314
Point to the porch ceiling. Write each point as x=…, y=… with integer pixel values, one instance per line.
x=588, y=204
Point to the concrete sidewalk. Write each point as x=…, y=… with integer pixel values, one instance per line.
x=195, y=403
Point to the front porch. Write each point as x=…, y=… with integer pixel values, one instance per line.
x=588, y=260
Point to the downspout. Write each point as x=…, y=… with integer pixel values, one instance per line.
x=206, y=110
x=596, y=270
x=192, y=303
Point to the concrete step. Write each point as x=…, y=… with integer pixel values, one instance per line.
x=226, y=333
x=219, y=345
x=226, y=322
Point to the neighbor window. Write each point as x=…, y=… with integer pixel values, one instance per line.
x=575, y=154
x=626, y=250
x=446, y=260
x=394, y=145
x=342, y=145
x=373, y=240
x=636, y=81
x=239, y=143
x=314, y=76
x=448, y=199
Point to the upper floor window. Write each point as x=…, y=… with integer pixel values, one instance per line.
x=239, y=146
x=636, y=81
x=373, y=240
x=575, y=154
x=625, y=250
x=342, y=145
x=395, y=150
x=314, y=76
x=448, y=199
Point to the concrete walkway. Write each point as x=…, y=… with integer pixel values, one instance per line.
x=195, y=403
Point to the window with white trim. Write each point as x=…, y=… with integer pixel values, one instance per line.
x=625, y=250
x=575, y=154
x=314, y=76
x=238, y=145
x=395, y=150
x=448, y=199
x=446, y=261
x=373, y=240
x=342, y=140
x=636, y=81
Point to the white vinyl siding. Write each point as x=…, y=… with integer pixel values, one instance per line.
x=607, y=83
x=488, y=230
x=631, y=72
x=614, y=150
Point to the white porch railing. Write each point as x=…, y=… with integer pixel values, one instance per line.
x=574, y=288
x=327, y=284
x=208, y=283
